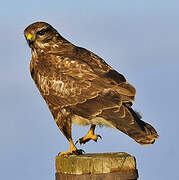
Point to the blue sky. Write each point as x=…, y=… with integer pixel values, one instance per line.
x=139, y=39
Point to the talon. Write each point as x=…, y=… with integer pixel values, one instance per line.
x=78, y=152
x=85, y=139
x=72, y=150
x=75, y=152
x=89, y=136
x=64, y=153
x=80, y=141
x=77, y=142
x=99, y=136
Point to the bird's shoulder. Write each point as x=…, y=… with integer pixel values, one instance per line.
x=80, y=58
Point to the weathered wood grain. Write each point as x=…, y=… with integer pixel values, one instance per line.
x=104, y=166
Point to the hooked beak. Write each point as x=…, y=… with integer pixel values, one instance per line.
x=30, y=39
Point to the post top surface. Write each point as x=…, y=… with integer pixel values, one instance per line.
x=95, y=163
x=96, y=155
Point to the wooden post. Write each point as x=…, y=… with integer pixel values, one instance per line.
x=99, y=166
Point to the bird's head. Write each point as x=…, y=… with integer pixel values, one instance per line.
x=39, y=34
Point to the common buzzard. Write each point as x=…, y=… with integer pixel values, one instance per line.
x=81, y=88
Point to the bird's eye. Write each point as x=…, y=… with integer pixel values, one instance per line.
x=42, y=32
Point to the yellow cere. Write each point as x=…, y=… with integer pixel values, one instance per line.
x=29, y=36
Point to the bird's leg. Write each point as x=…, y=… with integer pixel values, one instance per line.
x=89, y=136
x=64, y=125
x=72, y=149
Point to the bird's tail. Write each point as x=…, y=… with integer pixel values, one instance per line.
x=131, y=124
x=145, y=134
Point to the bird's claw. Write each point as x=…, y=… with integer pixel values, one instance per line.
x=97, y=138
x=76, y=152
x=83, y=140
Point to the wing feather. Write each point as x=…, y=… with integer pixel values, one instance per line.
x=75, y=78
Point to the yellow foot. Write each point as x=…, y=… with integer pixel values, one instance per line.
x=87, y=138
x=72, y=150
x=75, y=152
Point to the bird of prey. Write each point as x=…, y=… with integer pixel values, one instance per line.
x=80, y=87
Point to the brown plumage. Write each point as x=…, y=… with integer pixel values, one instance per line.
x=79, y=87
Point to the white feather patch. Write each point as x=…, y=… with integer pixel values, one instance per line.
x=80, y=121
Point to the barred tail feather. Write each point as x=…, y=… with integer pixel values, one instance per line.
x=150, y=137
x=144, y=133
x=130, y=123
